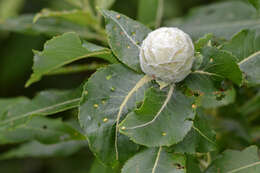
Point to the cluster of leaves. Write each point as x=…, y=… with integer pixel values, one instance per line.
x=130, y=123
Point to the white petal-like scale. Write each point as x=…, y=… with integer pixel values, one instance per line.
x=167, y=54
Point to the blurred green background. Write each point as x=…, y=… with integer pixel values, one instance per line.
x=16, y=58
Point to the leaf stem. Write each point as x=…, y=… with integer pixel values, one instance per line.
x=157, y=160
x=159, y=13
x=138, y=85
x=169, y=95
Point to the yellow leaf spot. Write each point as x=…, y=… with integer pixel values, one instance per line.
x=95, y=105
x=128, y=47
x=164, y=134
x=112, y=89
x=103, y=101
x=194, y=106
x=123, y=128
x=108, y=77
x=211, y=60
x=86, y=92
x=105, y=120
x=118, y=16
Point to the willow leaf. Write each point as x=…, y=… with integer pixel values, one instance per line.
x=231, y=161
x=110, y=93
x=36, y=149
x=42, y=129
x=75, y=16
x=223, y=19
x=164, y=119
x=62, y=50
x=125, y=36
x=245, y=45
x=156, y=160
x=45, y=103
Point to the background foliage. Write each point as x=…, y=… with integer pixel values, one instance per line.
x=50, y=48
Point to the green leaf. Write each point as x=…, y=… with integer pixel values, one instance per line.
x=45, y=103
x=245, y=45
x=213, y=66
x=36, y=149
x=209, y=94
x=192, y=164
x=156, y=160
x=41, y=129
x=232, y=161
x=77, y=68
x=125, y=36
x=50, y=27
x=110, y=93
x=218, y=98
x=255, y=3
x=104, y=4
x=79, y=17
x=221, y=19
x=203, y=41
x=164, y=119
x=6, y=104
x=98, y=167
x=201, y=138
x=220, y=64
x=76, y=3
x=151, y=17
x=10, y=8
x=62, y=50
x=250, y=67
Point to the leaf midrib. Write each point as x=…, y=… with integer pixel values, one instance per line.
x=76, y=59
x=244, y=167
x=248, y=58
x=39, y=111
x=122, y=28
